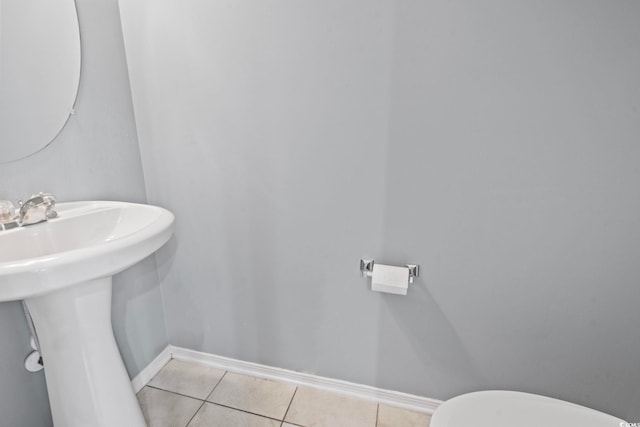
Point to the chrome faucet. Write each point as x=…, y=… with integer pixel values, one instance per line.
x=40, y=207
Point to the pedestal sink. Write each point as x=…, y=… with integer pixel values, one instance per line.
x=62, y=269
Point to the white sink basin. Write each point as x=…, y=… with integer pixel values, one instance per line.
x=88, y=240
x=62, y=270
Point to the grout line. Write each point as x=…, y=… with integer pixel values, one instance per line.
x=377, y=414
x=194, y=414
x=284, y=417
x=175, y=392
x=214, y=387
x=245, y=411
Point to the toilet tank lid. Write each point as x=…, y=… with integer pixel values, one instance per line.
x=500, y=408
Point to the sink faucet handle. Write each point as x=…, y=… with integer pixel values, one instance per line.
x=7, y=211
x=50, y=202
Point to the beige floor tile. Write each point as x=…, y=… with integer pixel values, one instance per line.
x=262, y=397
x=190, y=379
x=389, y=416
x=164, y=409
x=317, y=408
x=212, y=415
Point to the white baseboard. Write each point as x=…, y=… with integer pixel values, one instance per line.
x=387, y=397
x=151, y=369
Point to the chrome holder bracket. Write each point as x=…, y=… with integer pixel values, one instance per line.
x=366, y=269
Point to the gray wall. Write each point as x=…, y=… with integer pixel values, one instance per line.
x=495, y=143
x=95, y=158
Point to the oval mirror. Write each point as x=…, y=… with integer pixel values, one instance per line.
x=39, y=73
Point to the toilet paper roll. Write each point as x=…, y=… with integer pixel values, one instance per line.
x=390, y=279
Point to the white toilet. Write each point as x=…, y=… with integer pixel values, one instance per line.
x=514, y=409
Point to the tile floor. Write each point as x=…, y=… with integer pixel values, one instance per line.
x=191, y=395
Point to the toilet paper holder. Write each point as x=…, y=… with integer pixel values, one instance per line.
x=366, y=269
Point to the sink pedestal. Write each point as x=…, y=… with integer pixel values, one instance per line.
x=86, y=378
